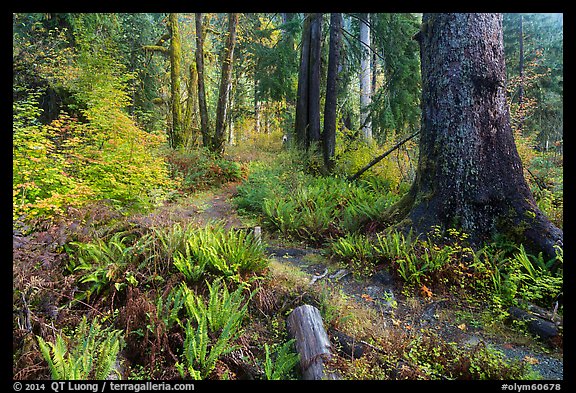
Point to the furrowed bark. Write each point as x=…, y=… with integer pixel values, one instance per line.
x=469, y=174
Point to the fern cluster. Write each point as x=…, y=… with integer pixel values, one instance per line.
x=444, y=259
x=220, y=317
x=103, y=262
x=90, y=353
x=525, y=276
x=305, y=207
x=220, y=251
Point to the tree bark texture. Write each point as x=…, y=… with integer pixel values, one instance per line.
x=312, y=343
x=469, y=174
x=301, y=126
x=225, y=85
x=175, y=57
x=190, y=123
x=314, y=84
x=329, y=132
x=308, y=100
x=202, y=106
x=365, y=77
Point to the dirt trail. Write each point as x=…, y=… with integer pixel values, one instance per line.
x=200, y=209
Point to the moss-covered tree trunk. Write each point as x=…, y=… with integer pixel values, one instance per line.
x=469, y=173
x=175, y=136
x=202, y=106
x=225, y=85
x=190, y=123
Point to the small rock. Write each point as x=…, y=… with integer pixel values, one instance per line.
x=383, y=277
x=384, y=297
x=472, y=341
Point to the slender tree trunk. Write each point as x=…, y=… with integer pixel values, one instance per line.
x=301, y=126
x=365, y=77
x=314, y=84
x=256, y=107
x=521, y=70
x=329, y=133
x=289, y=39
x=230, y=119
x=469, y=173
x=190, y=118
x=374, y=75
x=225, y=85
x=203, y=108
x=308, y=99
x=175, y=57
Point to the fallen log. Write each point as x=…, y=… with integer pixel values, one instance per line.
x=312, y=342
x=536, y=325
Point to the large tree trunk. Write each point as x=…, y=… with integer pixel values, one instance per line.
x=329, y=133
x=365, y=77
x=203, y=108
x=175, y=57
x=469, y=174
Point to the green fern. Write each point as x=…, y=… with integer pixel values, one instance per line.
x=93, y=356
x=105, y=261
x=220, y=317
x=222, y=308
x=168, y=310
x=189, y=263
x=284, y=361
x=220, y=251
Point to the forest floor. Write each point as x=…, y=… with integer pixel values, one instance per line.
x=378, y=300
x=381, y=292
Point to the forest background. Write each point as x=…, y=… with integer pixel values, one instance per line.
x=117, y=115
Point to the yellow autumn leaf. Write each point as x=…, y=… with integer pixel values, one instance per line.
x=531, y=360
x=462, y=327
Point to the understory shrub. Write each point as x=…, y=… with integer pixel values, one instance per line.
x=69, y=162
x=198, y=169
